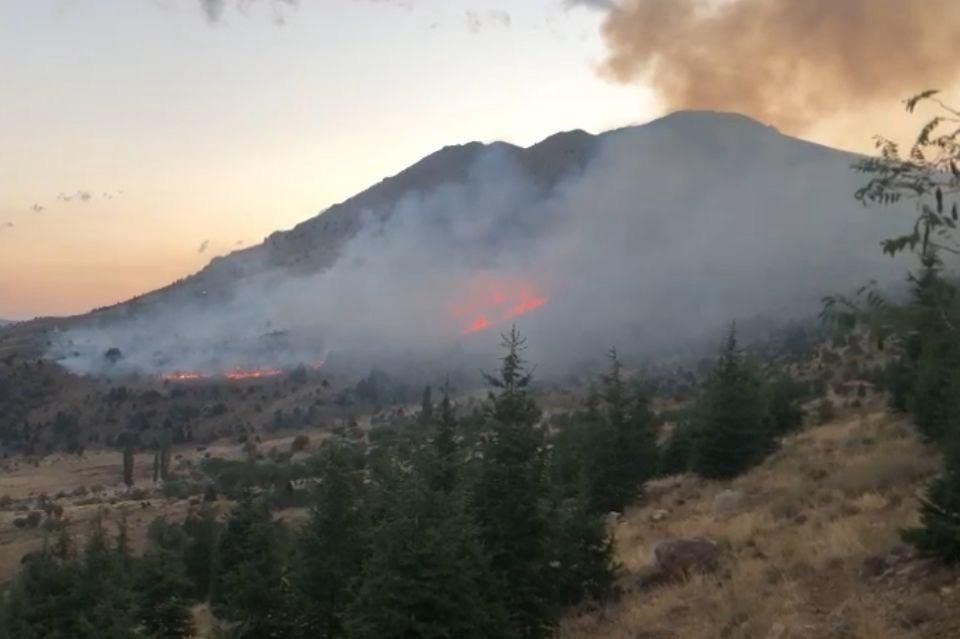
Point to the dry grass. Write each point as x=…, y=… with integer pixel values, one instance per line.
x=832, y=497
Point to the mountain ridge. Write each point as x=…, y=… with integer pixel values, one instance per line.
x=313, y=244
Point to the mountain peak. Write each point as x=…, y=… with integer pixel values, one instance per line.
x=701, y=118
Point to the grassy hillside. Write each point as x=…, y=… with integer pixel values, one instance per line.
x=813, y=550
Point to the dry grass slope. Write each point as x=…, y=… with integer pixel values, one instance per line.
x=813, y=552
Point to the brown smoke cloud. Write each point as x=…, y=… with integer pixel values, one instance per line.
x=786, y=62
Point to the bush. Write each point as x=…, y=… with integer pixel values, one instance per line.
x=825, y=411
x=300, y=443
x=180, y=489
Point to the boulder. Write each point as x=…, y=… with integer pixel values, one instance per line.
x=682, y=556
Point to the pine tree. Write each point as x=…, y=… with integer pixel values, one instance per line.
x=625, y=450
x=248, y=580
x=583, y=564
x=330, y=548
x=445, y=459
x=510, y=498
x=106, y=605
x=729, y=435
x=162, y=586
x=939, y=532
x=933, y=351
x=202, y=531
x=426, y=575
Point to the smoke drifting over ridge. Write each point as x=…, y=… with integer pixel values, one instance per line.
x=786, y=62
x=651, y=239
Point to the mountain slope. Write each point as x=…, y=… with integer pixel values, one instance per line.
x=645, y=236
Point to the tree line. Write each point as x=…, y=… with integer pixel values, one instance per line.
x=489, y=525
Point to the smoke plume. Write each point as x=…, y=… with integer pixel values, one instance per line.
x=652, y=239
x=786, y=62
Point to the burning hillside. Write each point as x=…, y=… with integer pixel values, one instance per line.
x=491, y=302
x=650, y=238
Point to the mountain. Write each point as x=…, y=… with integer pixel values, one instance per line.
x=649, y=237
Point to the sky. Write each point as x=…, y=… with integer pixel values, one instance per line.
x=141, y=138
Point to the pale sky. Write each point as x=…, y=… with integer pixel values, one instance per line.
x=169, y=134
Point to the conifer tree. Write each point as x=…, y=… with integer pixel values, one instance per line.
x=933, y=351
x=330, y=548
x=248, y=581
x=510, y=498
x=426, y=575
x=729, y=435
x=625, y=454
x=445, y=459
x=163, y=588
x=202, y=531
x=939, y=532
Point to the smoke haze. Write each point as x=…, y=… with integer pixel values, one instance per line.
x=786, y=62
x=654, y=242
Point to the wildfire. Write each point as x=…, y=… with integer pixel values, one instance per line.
x=233, y=375
x=238, y=374
x=180, y=376
x=493, y=301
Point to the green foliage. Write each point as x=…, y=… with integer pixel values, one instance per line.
x=676, y=451
x=330, y=548
x=510, y=500
x=249, y=574
x=608, y=450
x=782, y=412
x=925, y=379
x=460, y=528
x=583, y=565
x=426, y=575
x=939, y=532
x=162, y=586
x=730, y=435
x=202, y=533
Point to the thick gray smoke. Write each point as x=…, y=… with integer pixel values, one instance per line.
x=661, y=237
x=787, y=62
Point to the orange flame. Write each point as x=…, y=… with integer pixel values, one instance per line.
x=183, y=376
x=479, y=324
x=234, y=374
x=492, y=301
x=238, y=374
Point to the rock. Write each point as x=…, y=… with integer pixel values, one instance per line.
x=728, y=502
x=659, y=515
x=677, y=558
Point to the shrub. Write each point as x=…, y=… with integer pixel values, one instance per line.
x=300, y=443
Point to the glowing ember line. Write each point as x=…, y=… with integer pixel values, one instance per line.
x=180, y=376
x=260, y=373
